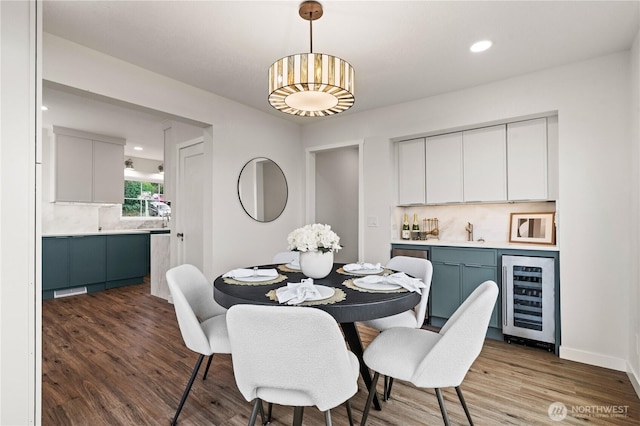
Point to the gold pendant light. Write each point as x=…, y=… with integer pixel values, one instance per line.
x=311, y=84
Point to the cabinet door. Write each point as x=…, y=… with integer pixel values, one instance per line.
x=74, y=169
x=128, y=256
x=485, y=164
x=445, y=289
x=472, y=277
x=444, y=168
x=411, y=172
x=108, y=172
x=87, y=260
x=55, y=263
x=527, y=160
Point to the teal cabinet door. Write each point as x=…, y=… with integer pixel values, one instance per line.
x=445, y=289
x=87, y=255
x=55, y=263
x=128, y=256
x=472, y=277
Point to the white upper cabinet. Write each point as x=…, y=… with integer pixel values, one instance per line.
x=485, y=164
x=88, y=168
x=444, y=168
x=411, y=172
x=527, y=160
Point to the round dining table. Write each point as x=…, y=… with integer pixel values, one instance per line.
x=348, y=304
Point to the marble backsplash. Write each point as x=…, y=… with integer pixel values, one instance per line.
x=490, y=221
x=69, y=218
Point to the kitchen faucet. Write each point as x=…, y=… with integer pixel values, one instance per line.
x=469, y=229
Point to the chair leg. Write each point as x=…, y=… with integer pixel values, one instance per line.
x=349, y=413
x=206, y=370
x=388, y=395
x=186, y=391
x=443, y=410
x=372, y=392
x=386, y=387
x=257, y=406
x=298, y=412
x=269, y=410
x=327, y=418
x=464, y=405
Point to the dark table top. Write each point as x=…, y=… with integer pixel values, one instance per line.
x=357, y=306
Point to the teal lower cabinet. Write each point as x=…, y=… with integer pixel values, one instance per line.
x=456, y=273
x=91, y=263
x=127, y=259
x=73, y=265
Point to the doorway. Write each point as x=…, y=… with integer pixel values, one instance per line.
x=334, y=188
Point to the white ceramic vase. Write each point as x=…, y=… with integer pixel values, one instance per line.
x=316, y=264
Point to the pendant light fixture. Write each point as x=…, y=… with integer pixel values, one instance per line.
x=311, y=84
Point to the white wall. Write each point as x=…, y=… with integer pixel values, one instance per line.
x=634, y=299
x=20, y=368
x=238, y=134
x=592, y=101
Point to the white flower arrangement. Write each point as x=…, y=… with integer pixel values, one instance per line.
x=316, y=237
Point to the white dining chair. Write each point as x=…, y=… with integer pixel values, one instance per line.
x=285, y=257
x=291, y=355
x=201, y=320
x=434, y=360
x=413, y=318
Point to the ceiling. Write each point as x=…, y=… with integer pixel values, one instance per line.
x=400, y=50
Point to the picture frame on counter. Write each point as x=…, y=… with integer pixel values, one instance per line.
x=533, y=228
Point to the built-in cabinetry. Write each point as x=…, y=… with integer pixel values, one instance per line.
x=88, y=167
x=456, y=273
x=507, y=162
x=91, y=263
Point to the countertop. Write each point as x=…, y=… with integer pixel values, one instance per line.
x=111, y=232
x=478, y=244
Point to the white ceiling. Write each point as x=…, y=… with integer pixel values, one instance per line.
x=400, y=50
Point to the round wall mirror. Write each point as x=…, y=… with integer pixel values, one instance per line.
x=262, y=189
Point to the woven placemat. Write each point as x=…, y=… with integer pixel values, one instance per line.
x=343, y=272
x=352, y=286
x=273, y=281
x=284, y=268
x=338, y=296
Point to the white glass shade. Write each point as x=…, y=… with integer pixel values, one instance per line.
x=311, y=85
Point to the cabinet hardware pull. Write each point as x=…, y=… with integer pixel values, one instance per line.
x=504, y=296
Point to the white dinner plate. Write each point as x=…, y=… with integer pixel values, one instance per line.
x=292, y=266
x=256, y=279
x=325, y=293
x=366, y=271
x=377, y=286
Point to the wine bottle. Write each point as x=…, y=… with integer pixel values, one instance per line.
x=416, y=226
x=406, y=230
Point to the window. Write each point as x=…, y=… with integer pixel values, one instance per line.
x=144, y=199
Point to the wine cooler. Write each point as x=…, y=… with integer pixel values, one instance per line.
x=528, y=298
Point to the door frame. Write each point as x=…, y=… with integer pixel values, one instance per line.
x=310, y=180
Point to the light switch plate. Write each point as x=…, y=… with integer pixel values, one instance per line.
x=372, y=221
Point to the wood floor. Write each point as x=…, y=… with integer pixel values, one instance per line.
x=117, y=358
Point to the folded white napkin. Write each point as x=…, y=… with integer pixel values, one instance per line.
x=355, y=267
x=399, y=278
x=295, y=263
x=295, y=293
x=246, y=273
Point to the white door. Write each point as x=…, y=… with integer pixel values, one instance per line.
x=189, y=203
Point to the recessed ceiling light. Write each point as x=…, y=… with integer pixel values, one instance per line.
x=137, y=148
x=44, y=108
x=480, y=46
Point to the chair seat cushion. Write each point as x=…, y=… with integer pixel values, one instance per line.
x=215, y=329
x=403, y=319
x=398, y=351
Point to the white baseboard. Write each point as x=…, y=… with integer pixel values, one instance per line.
x=592, y=358
x=633, y=377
